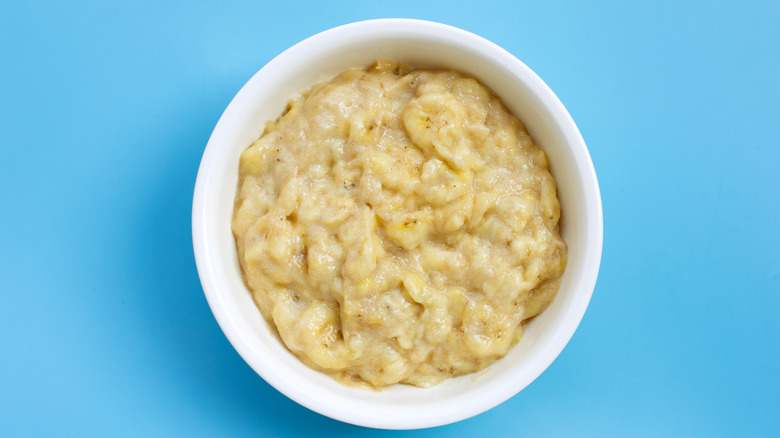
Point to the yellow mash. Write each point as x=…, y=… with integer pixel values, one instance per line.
x=398, y=225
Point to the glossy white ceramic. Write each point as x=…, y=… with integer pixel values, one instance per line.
x=421, y=44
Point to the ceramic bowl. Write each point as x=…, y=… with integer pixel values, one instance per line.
x=425, y=45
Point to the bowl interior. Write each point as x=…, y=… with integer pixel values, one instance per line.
x=424, y=45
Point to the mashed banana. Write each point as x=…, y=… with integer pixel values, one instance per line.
x=398, y=226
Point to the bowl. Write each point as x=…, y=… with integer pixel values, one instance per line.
x=421, y=44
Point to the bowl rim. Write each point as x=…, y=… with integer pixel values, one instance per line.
x=406, y=28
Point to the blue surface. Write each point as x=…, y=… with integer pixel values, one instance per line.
x=105, y=109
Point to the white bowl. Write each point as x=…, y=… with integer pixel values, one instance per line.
x=420, y=44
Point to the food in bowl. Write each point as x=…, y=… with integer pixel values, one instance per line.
x=398, y=226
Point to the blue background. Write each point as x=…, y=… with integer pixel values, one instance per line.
x=105, y=109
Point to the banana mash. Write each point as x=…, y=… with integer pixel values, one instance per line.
x=398, y=226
